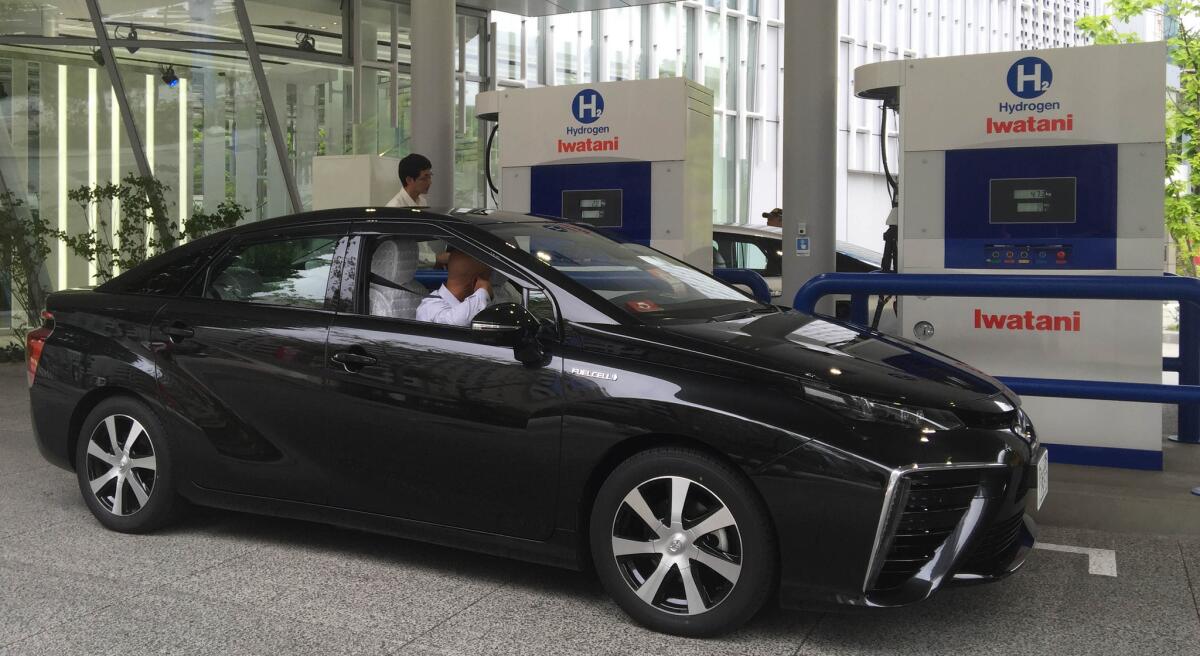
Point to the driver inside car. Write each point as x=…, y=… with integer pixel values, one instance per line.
x=467, y=290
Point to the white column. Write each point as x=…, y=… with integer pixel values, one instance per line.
x=278, y=203
x=306, y=135
x=18, y=97
x=73, y=103
x=433, y=93
x=809, y=141
x=335, y=98
x=246, y=143
x=214, y=148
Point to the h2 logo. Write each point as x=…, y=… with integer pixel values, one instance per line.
x=1030, y=77
x=587, y=106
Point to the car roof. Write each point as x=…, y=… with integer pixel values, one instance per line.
x=472, y=216
x=846, y=248
x=749, y=230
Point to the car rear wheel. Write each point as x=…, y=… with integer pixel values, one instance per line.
x=123, y=464
x=682, y=542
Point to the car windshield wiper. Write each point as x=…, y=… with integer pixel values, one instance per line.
x=769, y=309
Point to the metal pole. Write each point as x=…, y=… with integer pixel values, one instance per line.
x=809, y=143
x=264, y=92
x=131, y=131
x=394, y=86
x=355, y=35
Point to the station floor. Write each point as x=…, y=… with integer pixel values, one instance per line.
x=227, y=583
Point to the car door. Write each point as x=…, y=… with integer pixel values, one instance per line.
x=241, y=361
x=434, y=425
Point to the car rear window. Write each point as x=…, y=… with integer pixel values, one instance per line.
x=165, y=274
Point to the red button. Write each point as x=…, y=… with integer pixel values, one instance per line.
x=1061, y=255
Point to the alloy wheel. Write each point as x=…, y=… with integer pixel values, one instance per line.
x=121, y=465
x=677, y=545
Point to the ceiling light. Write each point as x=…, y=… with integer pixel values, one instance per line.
x=169, y=77
x=98, y=57
x=306, y=42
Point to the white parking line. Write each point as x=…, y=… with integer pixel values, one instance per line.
x=1101, y=562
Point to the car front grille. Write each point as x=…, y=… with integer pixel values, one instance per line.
x=992, y=546
x=933, y=505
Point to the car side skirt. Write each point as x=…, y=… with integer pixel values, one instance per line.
x=559, y=551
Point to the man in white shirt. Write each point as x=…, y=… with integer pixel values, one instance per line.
x=416, y=174
x=468, y=289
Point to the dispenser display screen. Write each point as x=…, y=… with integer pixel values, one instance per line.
x=598, y=207
x=1032, y=200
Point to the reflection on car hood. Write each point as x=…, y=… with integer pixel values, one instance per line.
x=844, y=357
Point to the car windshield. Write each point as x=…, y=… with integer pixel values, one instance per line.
x=640, y=280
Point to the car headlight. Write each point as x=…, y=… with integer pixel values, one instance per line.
x=861, y=408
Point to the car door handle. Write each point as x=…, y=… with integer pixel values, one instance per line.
x=178, y=331
x=351, y=361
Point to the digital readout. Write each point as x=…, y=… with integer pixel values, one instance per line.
x=1030, y=194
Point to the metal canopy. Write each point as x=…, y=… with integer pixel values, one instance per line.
x=551, y=7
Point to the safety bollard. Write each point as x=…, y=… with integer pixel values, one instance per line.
x=1189, y=371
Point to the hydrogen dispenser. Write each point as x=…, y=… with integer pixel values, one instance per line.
x=1046, y=162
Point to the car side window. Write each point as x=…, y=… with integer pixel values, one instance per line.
x=723, y=249
x=718, y=259
x=750, y=256
x=407, y=270
x=404, y=271
x=540, y=305
x=772, y=250
x=289, y=272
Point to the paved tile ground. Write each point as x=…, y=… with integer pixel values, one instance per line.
x=228, y=583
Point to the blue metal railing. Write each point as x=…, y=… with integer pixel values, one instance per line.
x=1186, y=395
x=749, y=278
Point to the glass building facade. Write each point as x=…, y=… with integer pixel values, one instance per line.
x=220, y=105
x=264, y=86
x=215, y=103
x=734, y=47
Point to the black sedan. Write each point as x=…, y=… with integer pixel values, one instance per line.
x=611, y=408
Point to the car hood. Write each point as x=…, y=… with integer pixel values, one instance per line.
x=844, y=357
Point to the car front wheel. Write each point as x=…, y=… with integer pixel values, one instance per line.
x=682, y=543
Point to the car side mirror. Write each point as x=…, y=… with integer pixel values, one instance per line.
x=504, y=324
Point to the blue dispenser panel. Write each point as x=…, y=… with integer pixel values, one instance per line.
x=614, y=196
x=1032, y=208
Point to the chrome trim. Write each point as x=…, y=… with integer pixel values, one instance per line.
x=488, y=325
x=884, y=515
x=889, y=498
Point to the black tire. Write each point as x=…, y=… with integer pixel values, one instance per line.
x=654, y=565
x=141, y=468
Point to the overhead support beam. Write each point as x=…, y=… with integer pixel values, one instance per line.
x=809, y=143
x=158, y=205
x=433, y=92
x=264, y=92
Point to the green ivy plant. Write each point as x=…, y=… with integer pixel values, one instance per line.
x=1182, y=205
x=138, y=234
x=25, y=240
